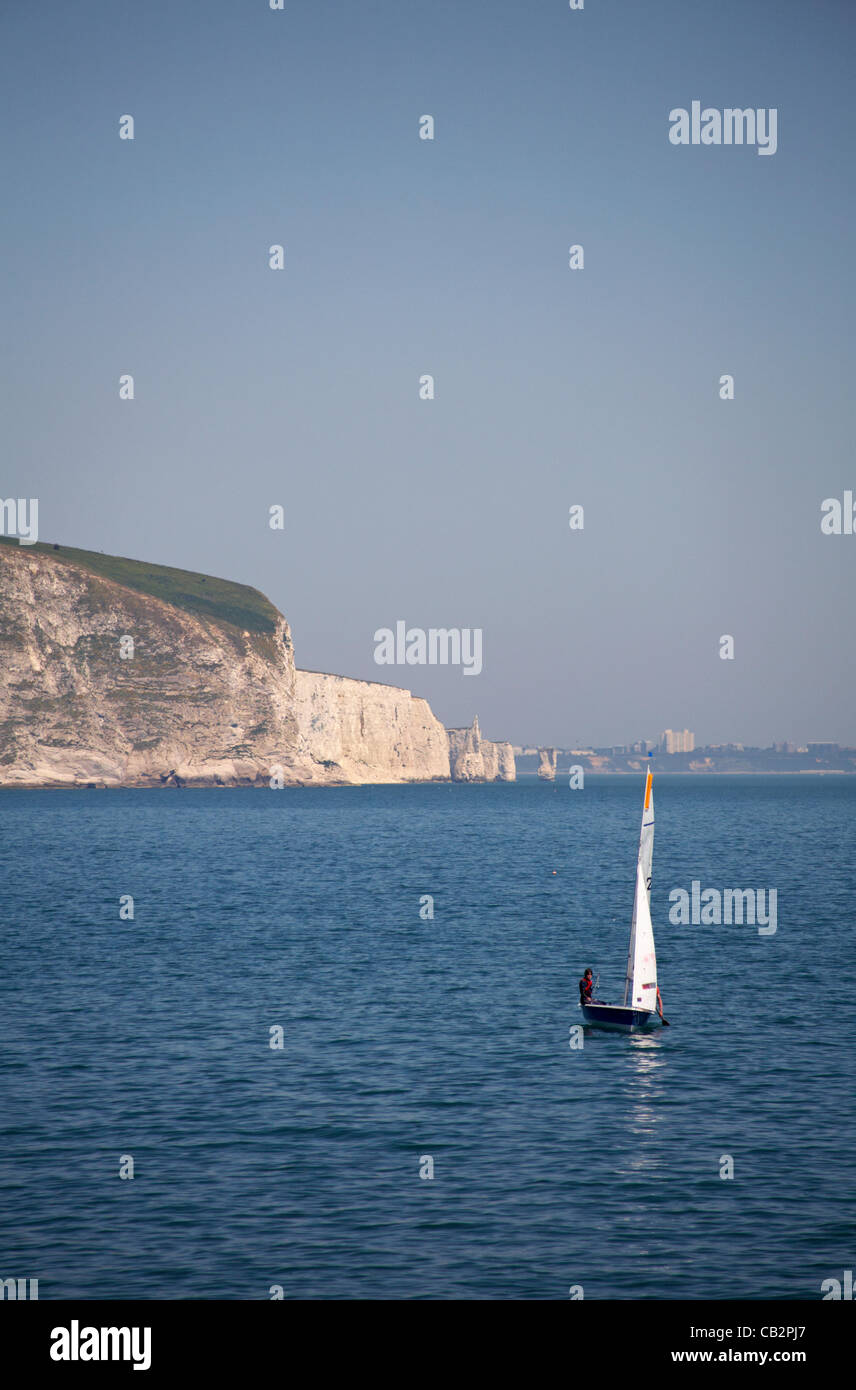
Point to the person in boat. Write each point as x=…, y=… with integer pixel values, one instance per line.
x=586, y=987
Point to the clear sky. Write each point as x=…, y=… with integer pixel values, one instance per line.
x=404, y=256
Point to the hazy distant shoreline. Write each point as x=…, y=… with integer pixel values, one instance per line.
x=705, y=772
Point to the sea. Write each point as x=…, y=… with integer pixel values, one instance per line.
x=325, y=1043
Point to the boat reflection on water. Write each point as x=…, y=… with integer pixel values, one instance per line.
x=645, y=1094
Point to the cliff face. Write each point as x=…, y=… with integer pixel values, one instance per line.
x=476, y=759
x=359, y=731
x=198, y=700
x=204, y=699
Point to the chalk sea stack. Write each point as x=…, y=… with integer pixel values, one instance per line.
x=547, y=758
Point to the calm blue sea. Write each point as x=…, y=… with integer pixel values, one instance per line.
x=405, y=1038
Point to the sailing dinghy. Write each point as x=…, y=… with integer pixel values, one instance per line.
x=639, y=1009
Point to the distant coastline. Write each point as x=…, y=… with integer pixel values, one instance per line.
x=703, y=762
x=708, y=772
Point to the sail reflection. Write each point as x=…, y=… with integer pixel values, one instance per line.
x=645, y=1092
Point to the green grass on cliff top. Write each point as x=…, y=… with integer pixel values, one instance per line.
x=199, y=594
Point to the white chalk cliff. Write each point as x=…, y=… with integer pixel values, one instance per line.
x=210, y=696
x=360, y=731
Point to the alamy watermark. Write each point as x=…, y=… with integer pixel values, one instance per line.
x=15, y=522
x=731, y=126
x=76, y=1343
x=711, y=907
x=839, y=518
x=439, y=646
x=19, y=1289
x=837, y=1288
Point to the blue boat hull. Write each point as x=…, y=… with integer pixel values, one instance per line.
x=618, y=1018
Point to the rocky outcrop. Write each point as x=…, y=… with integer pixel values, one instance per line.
x=197, y=698
x=547, y=758
x=476, y=759
x=194, y=700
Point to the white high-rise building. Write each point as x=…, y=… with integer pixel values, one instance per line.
x=675, y=741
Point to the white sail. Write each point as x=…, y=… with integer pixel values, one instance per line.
x=640, y=989
x=646, y=835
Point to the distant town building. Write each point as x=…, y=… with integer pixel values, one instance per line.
x=822, y=750
x=677, y=741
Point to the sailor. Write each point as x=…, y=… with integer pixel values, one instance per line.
x=586, y=988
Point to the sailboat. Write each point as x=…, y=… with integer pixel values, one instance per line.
x=640, y=1007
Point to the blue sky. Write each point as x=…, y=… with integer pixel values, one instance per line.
x=404, y=256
